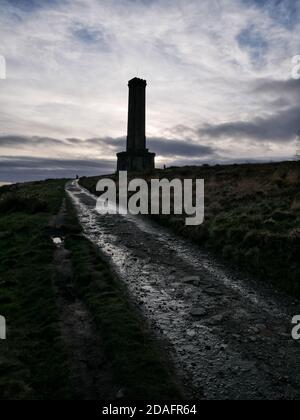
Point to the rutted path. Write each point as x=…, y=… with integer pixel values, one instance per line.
x=227, y=339
x=90, y=372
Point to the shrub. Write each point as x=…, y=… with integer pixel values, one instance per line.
x=253, y=257
x=282, y=216
x=11, y=203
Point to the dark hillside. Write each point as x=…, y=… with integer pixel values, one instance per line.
x=252, y=217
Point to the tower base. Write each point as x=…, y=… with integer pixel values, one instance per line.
x=136, y=161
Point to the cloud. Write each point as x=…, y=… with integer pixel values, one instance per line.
x=34, y=141
x=168, y=147
x=284, y=12
x=31, y=5
x=97, y=38
x=279, y=121
x=24, y=168
x=212, y=68
x=254, y=43
x=281, y=127
x=162, y=146
x=287, y=87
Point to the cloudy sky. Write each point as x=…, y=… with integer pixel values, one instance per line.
x=220, y=86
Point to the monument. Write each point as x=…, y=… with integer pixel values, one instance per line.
x=136, y=157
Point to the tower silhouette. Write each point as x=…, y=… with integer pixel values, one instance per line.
x=137, y=157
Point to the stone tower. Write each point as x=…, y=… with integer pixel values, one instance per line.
x=136, y=157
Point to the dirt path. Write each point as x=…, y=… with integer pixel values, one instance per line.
x=227, y=337
x=90, y=372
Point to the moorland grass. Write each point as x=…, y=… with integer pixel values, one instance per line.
x=32, y=358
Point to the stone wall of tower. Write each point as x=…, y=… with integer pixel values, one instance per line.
x=136, y=130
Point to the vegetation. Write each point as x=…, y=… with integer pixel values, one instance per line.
x=34, y=359
x=252, y=217
x=252, y=221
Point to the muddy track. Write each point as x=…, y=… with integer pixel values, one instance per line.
x=228, y=338
x=90, y=372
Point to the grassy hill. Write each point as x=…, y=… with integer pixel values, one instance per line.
x=252, y=217
x=35, y=358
